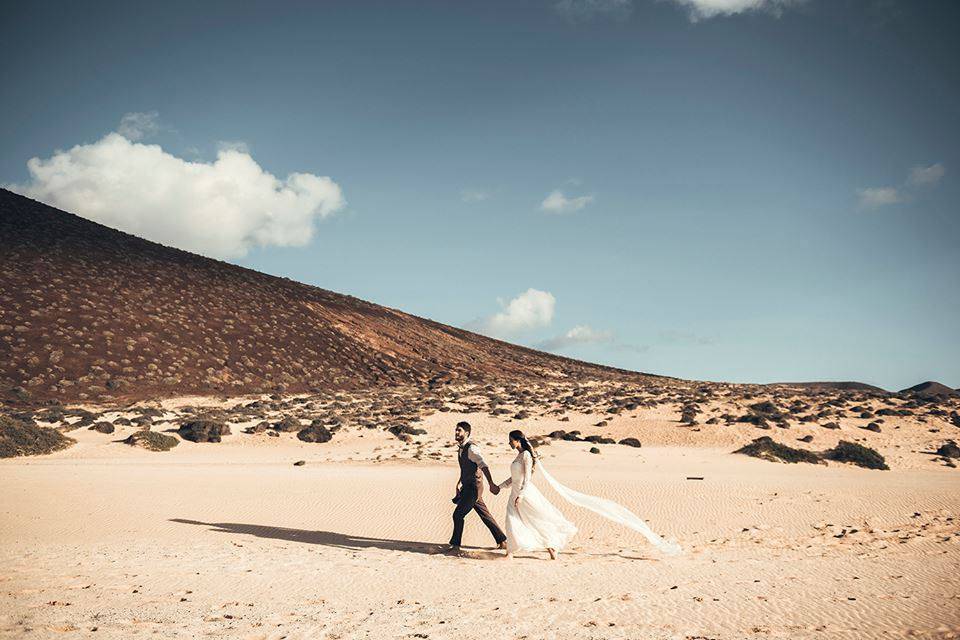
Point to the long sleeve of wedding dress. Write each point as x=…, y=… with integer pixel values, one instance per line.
x=526, y=462
x=532, y=523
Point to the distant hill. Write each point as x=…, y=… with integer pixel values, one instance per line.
x=931, y=389
x=838, y=386
x=89, y=312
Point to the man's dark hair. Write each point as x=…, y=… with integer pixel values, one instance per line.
x=465, y=426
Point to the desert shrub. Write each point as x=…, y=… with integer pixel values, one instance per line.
x=856, y=454
x=766, y=448
x=26, y=438
x=152, y=441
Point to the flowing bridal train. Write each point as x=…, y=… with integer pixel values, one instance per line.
x=534, y=524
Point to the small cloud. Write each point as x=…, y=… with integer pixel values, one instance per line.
x=233, y=145
x=532, y=309
x=705, y=9
x=557, y=202
x=585, y=10
x=580, y=334
x=474, y=195
x=875, y=197
x=674, y=336
x=139, y=125
x=924, y=176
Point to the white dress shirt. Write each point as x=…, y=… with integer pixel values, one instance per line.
x=473, y=454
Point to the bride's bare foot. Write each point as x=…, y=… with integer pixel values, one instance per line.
x=508, y=555
x=553, y=553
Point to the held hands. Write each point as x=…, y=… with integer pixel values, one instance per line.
x=494, y=489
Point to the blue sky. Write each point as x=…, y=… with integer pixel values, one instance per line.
x=758, y=194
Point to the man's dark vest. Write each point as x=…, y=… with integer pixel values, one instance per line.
x=469, y=471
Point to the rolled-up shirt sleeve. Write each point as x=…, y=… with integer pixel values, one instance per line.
x=476, y=457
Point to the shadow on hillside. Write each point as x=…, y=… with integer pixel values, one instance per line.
x=332, y=538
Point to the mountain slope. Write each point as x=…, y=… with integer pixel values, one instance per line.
x=90, y=312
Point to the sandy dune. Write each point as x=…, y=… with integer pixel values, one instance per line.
x=233, y=540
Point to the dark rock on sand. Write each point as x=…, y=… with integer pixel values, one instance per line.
x=288, y=425
x=203, y=430
x=260, y=427
x=102, y=427
x=315, y=433
x=631, y=442
x=600, y=440
x=949, y=449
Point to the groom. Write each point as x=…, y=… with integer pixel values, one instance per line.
x=470, y=489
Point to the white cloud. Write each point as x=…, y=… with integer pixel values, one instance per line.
x=580, y=334
x=675, y=336
x=704, y=9
x=922, y=176
x=875, y=197
x=532, y=309
x=474, y=195
x=139, y=125
x=220, y=209
x=557, y=202
x=233, y=145
x=583, y=10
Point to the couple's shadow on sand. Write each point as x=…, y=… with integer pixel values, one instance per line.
x=334, y=539
x=357, y=543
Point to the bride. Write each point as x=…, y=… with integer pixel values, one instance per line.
x=533, y=524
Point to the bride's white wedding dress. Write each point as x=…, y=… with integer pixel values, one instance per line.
x=535, y=525
x=538, y=525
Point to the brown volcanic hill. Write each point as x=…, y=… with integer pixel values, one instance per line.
x=837, y=386
x=930, y=389
x=88, y=312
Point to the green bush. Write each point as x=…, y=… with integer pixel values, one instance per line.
x=766, y=448
x=26, y=438
x=856, y=454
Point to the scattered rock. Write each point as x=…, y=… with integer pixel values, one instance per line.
x=631, y=442
x=203, y=430
x=594, y=450
x=949, y=449
x=299, y=463
x=315, y=433
x=288, y=425
x=102, y=427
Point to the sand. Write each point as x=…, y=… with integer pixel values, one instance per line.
x=232, y=540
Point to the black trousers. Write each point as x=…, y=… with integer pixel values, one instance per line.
x=470, y=500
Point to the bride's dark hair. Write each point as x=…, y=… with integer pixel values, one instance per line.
x=518, y=436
